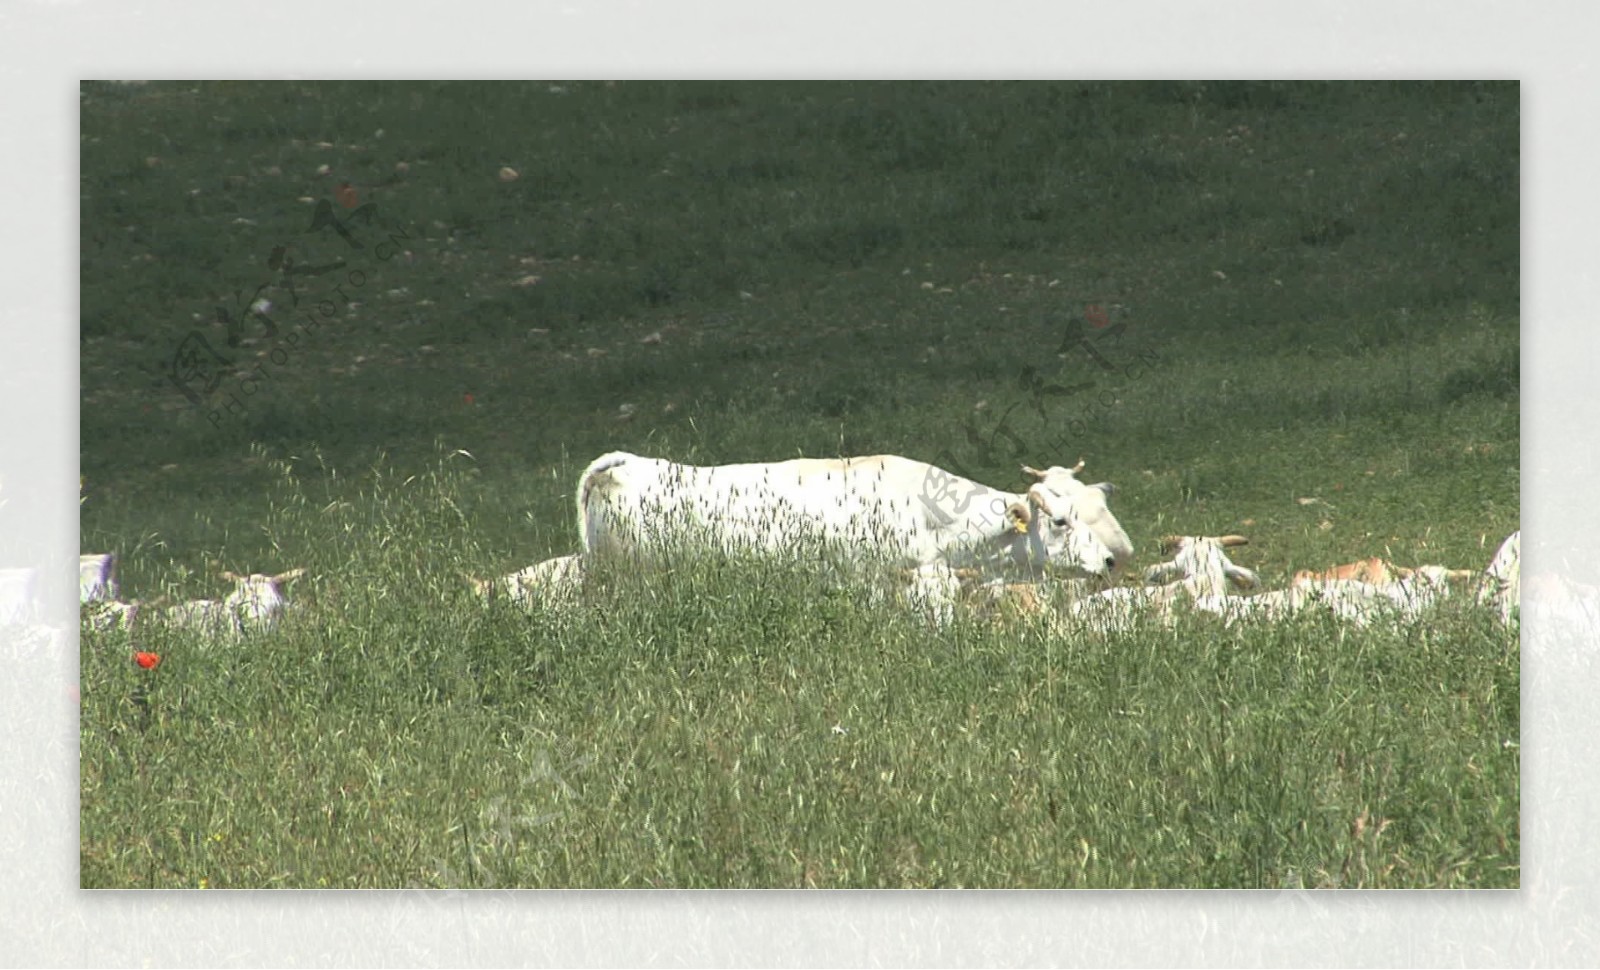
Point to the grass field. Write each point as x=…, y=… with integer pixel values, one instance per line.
x=1286, y=310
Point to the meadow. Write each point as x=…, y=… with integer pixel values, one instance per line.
x=1287, y=310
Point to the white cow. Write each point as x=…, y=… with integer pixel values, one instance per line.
x=1501, y=586
x=904, y=512
x=555, y=580
x=255, y=605
x=1199, y=572
x=97, y=577
x=1201, y=567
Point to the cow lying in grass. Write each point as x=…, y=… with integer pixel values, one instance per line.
x=254, y=606
x=1405, y=595
x=883, y=510
x=1199, y=573
x=557, y=580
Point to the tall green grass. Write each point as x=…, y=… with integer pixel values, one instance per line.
x=733, y=724
x=1314, y=297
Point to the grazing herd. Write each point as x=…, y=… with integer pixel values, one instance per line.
x=1055, y=549
x=939, y=541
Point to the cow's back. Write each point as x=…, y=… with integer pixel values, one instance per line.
x=756, y=506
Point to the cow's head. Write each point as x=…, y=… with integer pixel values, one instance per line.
x=1077, y=530
x=258, y=594
x=1201, y=560
x=1072, y=532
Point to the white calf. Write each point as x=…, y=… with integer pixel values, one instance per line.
x=255, y=605
x=257, y=600
x=1361, y=603
x=1370, y=570
x=552, y=581
x=1201, y=567
x=1199, y=572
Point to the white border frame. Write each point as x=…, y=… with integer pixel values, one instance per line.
x=45, y=47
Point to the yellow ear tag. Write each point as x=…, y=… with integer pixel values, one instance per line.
x=1019, y=525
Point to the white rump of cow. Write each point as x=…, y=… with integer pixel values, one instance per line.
x=897, y=510
x=97, y=577
x=555, y=580
x=1500, y=588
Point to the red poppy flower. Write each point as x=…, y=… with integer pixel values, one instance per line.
x=1096, y=315
x=467, y=397
x=147, y=660
x=346, y=194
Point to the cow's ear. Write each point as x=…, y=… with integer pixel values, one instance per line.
x=1018, y=515
x=1242, y=577
x=231, y=576
x=1106, y=487
x=1036, y=473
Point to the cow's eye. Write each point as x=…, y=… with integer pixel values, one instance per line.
x=1061, y=523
